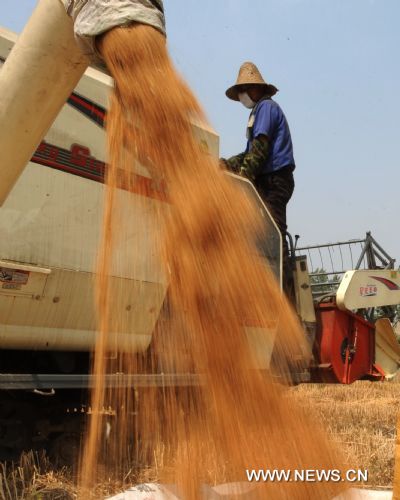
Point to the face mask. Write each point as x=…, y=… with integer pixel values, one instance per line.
x=246, y=100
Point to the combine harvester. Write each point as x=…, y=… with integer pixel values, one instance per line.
x=50, y=221
x=350, y=313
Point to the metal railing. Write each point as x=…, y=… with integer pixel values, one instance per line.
x=329, y=262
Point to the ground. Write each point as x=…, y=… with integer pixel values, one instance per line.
x=360, y=417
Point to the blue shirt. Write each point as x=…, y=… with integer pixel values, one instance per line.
x=267, y=118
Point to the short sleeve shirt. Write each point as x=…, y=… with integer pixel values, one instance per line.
x=267, y=118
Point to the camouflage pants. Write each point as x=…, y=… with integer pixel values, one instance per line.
x=276, y=189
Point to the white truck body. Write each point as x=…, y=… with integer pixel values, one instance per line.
x=50, y=226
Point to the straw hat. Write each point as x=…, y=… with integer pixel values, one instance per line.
x=249, y=74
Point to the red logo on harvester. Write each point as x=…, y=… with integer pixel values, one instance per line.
x=78, y=161
x=368, y=290
x=388, y=283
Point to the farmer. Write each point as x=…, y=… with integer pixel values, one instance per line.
x=268, y=158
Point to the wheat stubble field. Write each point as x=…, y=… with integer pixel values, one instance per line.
x=360, y=417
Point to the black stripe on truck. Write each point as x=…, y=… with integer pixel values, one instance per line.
x=93, y=111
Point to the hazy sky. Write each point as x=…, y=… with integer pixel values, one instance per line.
x=336, y=63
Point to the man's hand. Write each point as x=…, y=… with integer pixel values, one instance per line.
x=234, y=163
x=248, y=173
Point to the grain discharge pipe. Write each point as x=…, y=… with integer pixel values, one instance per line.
x=45, y=65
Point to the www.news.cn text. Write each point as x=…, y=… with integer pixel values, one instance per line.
x=306, y=475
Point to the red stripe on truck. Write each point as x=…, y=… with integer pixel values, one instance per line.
x=78, y=161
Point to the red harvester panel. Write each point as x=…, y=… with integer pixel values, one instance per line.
x=345, y=345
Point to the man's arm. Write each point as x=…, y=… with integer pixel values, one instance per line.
x=254, y=160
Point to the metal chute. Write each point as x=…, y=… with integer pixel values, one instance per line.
x=387, y=349
x=35, y=81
